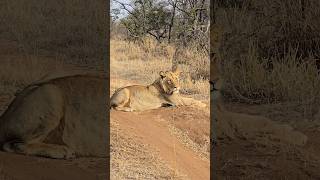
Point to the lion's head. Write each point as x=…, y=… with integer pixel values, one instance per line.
x=169, y=81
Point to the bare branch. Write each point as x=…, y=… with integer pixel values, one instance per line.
x=124, y=7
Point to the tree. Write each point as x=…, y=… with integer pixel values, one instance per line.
x=181, y=21
x=146, y=17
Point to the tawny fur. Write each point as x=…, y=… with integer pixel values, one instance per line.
x=164, y=91
x=59, y=118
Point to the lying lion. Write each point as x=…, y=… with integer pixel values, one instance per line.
x=229, y=125
x=58, y=118
x=163, y=92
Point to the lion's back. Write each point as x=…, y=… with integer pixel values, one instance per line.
x=79, y=105
x=85, y=116
x=86, y=125
x=140, y=97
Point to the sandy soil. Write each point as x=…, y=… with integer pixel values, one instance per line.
x=243, y=159
x=152, y=128
x=20, y=167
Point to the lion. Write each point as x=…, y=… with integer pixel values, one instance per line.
x=163, y=92
x=230, y=125
x=59, y=118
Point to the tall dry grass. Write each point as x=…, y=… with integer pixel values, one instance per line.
x=269, y=52
x=73, y=28
x=141, y=63
x=39, y=37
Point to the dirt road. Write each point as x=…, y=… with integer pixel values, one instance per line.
x=21, y=167
x=153, y=130
x=241, y=158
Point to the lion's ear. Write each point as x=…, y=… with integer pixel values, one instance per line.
x=162, y=74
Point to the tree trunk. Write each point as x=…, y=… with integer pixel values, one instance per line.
x=172, y=20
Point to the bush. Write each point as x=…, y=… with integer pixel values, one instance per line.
x=269, y=50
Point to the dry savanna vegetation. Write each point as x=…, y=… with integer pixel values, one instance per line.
x=269, y=51
x=140, y=63
x=268, y=54
x=43, y=37
x=154, y=36
x=37, y=38
x=72, y=29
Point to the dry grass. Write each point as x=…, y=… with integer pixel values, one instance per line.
x=189, y=140
x=132, y=159
x=73, y=28
x=18, y=70
x=141, y=63
x=39, y=37
x=132, y=63
x=269, y=52
x=288, y=81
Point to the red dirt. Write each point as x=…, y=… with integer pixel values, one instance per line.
x=243, y=159
x=152, y=127
x=20, y=167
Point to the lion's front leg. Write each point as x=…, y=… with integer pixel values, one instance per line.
x=185, y=101
x=40, y=149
